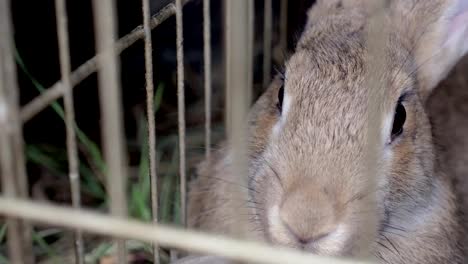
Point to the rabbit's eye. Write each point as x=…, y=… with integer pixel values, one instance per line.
x=279, y=105
x=398, y=121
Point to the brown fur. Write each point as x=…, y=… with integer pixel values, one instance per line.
x=307, y=181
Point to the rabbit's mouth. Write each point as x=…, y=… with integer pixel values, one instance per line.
x=341, y=241
x=329, y=240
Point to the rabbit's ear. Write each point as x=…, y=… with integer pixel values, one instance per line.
x=443, y=41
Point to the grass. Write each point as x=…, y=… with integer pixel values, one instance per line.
x=92, y=167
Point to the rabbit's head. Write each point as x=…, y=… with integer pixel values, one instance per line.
x=308, y=174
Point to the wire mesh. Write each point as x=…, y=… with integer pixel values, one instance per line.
x=239, y=21
x=54, y=92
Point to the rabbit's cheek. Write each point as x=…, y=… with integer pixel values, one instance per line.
x=276, y=229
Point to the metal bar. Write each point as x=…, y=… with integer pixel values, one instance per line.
x=7, y=170
x=250, y=52
x=267, y=38
x=181, y=110
x=14, y=178
x=207, y=62
x=6, y=165
x=377, y=36
x=111, y=111
x=151, y=118
x=72, y=149
x=251, y=252
x=284, y=26
x=239, y=68
x=89, y=67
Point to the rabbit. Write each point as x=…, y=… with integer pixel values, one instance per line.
x=307, y=187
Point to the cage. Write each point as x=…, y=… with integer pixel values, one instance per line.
x=106, y=108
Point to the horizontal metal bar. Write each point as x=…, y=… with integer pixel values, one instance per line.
x=86, y=220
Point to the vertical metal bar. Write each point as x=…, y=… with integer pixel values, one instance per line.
x=72, y=150
x=249, y=53
x=267, y=29
x=375, y=81
x=284, y=25
x=239, y=68
x=15, y=251
x=181, y=109
x=111, y=111
x=6, y=165
x=151, y=118
x=207, y=61
x=14, y=178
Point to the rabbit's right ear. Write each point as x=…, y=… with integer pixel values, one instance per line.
x=439, y=29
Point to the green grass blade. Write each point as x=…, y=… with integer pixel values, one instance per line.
x=3, y=232
x=3, y=260
x=99, y=252
x=91, y=146
x=44, y=246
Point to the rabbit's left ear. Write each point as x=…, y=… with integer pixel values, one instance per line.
x=444, y=41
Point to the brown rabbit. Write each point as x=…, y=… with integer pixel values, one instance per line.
x=307, y=184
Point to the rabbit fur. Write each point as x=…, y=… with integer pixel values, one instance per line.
x=307, y=186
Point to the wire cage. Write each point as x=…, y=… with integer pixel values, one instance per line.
x=22, y=213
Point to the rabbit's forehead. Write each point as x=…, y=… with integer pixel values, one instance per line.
x=333, y=75
x=327, y=95
x=325, y=83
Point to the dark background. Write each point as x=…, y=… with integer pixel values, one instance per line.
x=36, y=42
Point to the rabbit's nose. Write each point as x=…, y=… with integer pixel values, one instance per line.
x=303, y=240
x=308, y=218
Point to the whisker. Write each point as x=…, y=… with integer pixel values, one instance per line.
x=384, y=246
x=391, y=243
x=274, y=172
